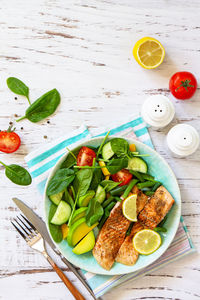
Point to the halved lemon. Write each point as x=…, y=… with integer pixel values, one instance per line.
x=129, y=208
x=146, y=241
x=149, y=53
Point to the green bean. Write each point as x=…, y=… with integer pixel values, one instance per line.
x=129, y=188
x=163, y=221
x=118, y=190
x=105, y=203
x=156, y=185
x=106, y=214
x=102, y=221
x=145, y=184
x=147, y=177
x=138, y=175
x=160, y=229
x=129, y=229
x=118, y=199
x=110, y=206
x=149, y=193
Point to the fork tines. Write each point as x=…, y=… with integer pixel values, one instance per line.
x=27, y=229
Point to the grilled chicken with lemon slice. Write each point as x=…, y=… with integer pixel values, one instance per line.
x=127, y=255
x=150, y=216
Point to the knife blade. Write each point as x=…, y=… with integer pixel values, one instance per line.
x=41, y=227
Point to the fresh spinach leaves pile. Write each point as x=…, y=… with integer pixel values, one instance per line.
x=42, y=108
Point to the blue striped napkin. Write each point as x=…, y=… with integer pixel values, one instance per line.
x=43, y=159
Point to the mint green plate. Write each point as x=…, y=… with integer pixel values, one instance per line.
x=159, y=168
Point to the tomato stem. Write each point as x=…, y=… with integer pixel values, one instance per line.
x=185, y=84
x=24, y=117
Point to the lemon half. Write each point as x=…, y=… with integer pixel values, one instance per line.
x=149, y=53
x=146, y=241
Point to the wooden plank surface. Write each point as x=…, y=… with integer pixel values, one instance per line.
x=84, y=49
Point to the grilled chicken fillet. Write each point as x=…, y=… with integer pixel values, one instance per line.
x=127, y=255
x=157, y=208
x=111, y=237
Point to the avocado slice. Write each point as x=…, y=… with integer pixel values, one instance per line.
x=78, y=230
x=84, y=200
x=78, y=214
x=86, y=244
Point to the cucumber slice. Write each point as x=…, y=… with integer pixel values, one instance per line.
x=100, y=194
x=107, y=151
x=84, y=200
x=62, y=213
x=56, y=198
x=137, y=164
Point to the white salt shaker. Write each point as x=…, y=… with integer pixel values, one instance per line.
x=158, y=111
x=182, y=140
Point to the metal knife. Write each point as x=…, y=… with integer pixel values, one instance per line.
x=41, y=227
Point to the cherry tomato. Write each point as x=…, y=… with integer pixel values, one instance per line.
x=183, y=85
x=123, y=175
x=85, y=156
x=9, y=141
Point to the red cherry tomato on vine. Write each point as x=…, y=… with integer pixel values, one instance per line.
x=9, y=140
x=183, y=85
x=85, y=156
x=123, y=175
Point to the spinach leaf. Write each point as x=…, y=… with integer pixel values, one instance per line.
x=109, y=184
x=17, y=174
x=97, y=178
x=82, y=181
x=42, y=107
x=55, y=230
x=60, y=181
x=94, y=212
x=18, y=87
x=116, y=164
x=119, y=146
x=70, y=159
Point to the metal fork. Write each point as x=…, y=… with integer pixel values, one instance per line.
x=35, y=241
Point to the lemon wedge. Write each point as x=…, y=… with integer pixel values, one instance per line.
x=149, y=53
x=146, y=241
x=129, y=208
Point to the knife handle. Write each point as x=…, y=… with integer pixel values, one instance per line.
x=76, y=273
x=77, y=295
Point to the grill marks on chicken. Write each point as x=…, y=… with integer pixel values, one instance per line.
x=111, y=237
x=157, y=208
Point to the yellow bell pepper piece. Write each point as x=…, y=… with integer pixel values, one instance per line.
x=65, y=230
x=104, y=170
x=107, y=177
x=132, y=147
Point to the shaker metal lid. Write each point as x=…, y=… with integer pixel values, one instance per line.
x=183, y=139
x=158, y=111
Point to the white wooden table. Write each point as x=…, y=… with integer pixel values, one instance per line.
x=84, y=49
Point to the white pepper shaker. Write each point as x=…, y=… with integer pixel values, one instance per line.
x=158, y=111
x=182, y=140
